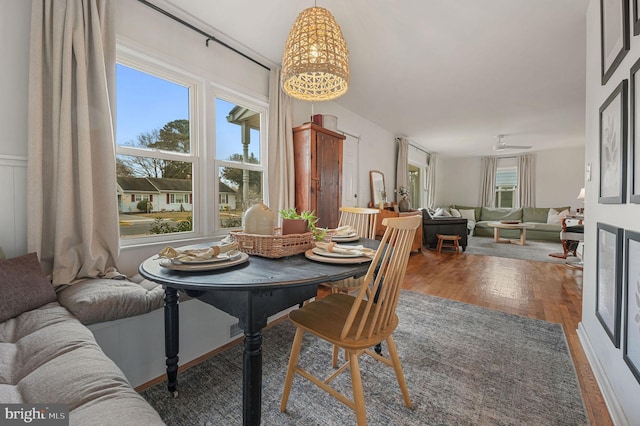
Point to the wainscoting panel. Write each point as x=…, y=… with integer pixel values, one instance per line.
x=13, y=205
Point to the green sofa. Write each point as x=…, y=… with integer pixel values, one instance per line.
x=533, y=215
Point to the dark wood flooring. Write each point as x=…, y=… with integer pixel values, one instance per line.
x=542, y=290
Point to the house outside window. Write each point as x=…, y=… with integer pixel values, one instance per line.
x=161, y=142
x=506, y=186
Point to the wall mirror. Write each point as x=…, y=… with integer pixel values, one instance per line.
x=378, y=191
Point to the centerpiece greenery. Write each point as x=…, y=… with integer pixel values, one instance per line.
x=309, y=217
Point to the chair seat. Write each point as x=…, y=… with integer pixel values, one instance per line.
x=313, y=318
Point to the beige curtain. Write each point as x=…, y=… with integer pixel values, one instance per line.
x=280, y=143
x=402, y=169
x=431, y=182
x=488, y=186
x=72, y=220
x=526, y=181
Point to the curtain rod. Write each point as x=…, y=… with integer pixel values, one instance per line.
x=198, y=30
x=420, y=149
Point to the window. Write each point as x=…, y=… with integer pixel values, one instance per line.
x=506, y=184
x=415, y=185
x=178, y=198
x=240, y=173
x=162, y=141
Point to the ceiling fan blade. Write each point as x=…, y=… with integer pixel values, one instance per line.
x=517, y=146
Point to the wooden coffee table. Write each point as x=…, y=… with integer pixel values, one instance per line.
x=497, y=226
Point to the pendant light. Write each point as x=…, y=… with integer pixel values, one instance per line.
x=315, y=63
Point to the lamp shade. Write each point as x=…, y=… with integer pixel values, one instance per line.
x=315, y=62
x=581, y=194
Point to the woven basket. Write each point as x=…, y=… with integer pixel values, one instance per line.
x=274, y=246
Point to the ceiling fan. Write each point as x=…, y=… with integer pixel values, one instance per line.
x=502, y=145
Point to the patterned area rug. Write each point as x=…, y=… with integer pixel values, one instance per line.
x=464, y=365
x=533, y=250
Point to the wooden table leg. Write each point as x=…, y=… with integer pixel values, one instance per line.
x=496, y=236
x=523, y=237
x=171, y=338
x=252, y=378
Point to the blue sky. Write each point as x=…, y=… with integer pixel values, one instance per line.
x=145, y=103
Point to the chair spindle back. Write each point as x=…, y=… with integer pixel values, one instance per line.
x=383, y=281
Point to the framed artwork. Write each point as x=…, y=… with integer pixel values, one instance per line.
x=614, y=35
x=613, y=147
x=635, y=131
x=636, y=19
x=609, y=280
x=631, y=352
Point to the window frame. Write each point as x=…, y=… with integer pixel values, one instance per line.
x=202, y=134
x=501, y=189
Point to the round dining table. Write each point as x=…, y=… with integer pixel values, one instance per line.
x=250, y=291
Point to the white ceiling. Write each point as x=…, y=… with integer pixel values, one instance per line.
x=449, y=75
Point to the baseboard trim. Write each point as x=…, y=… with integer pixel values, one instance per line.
x=609, y=396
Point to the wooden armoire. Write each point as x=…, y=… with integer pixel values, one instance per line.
x=318, y=172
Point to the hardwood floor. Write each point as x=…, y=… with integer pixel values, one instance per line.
x=547, y=291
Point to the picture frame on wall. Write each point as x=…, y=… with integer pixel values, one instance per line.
x=636, y=18
x=634, y=114
x=614, y=35
x=609, y=279
x=613, y=147
x=631, y=345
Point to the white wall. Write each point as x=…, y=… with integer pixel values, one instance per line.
x=559, y=176
x=14, y=48
x=620, y=389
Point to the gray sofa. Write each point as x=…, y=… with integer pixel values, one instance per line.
x=537, y=216
x=47, y=356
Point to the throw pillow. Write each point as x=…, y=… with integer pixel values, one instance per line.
x=555, y=217
x=442, y=212
x=470, y=215
x=426, y=213
x=455, y=213
x=23, y=286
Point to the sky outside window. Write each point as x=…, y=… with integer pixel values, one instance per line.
x=146, y=103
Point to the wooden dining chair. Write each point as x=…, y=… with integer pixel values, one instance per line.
x=357, y=322
x=363, y=221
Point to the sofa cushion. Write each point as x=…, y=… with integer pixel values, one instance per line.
x=23, y=286
x=547, y=227
x=99, y=299
x=496, y=214
x=455, y=212
x=535, y=214
x=47, y=356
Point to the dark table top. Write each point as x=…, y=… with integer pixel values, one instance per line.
x=257, y=273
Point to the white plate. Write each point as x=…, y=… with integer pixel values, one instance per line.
x=222, y=257
x=241, y=258
x=325, y=253
x=345, y=238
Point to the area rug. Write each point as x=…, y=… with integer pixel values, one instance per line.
x=533, y=250
x=463, y=364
